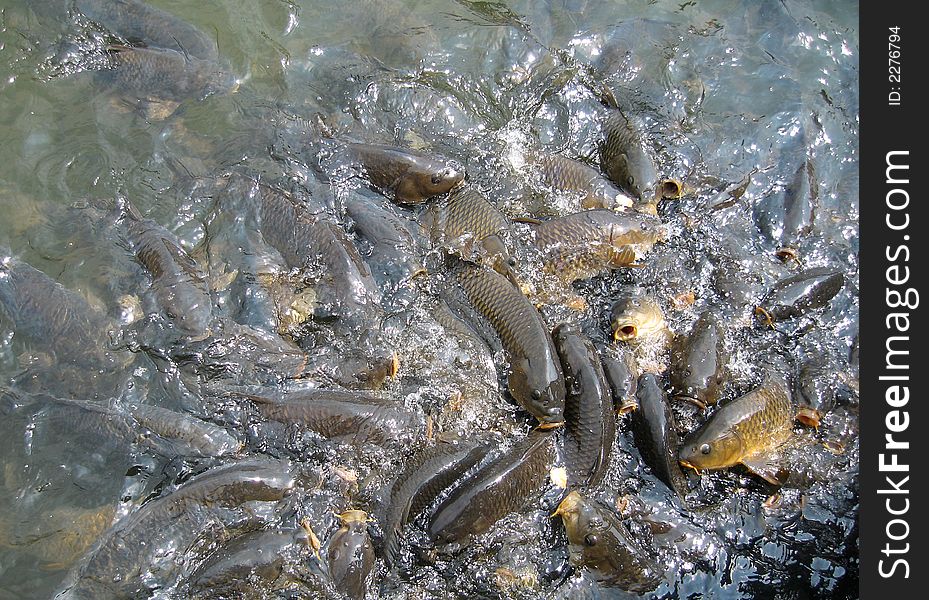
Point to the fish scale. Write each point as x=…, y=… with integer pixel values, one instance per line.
x=427, y=475
x=335, y=413
x=52, y=317
x=526, y=339
x=744, y=430
x=568, y=175
x=497, y=488
x=178, y=282
x=623, y=156
x=581, y=245
x=590, y=424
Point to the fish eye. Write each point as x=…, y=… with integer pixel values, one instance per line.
x=630, y=181
x=536, y=394
x=438, y=177
x=705, y=449
x=590, y=539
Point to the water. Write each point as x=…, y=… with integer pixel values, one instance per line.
x=725, y=90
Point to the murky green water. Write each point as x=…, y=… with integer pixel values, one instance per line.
x=723, y=89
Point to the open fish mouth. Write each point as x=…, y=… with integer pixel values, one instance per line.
x=692, y=400
x=625, y=332
x=670, y=188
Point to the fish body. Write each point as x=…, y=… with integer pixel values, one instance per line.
x=140, y=22
x=344, y=288
x=572, y=176
x=655, y=433
x=163, y=75
x=351, y=554
x=503, y=485
x=357, y=416
x=194, y=436
x=624, y=159
x=408, y=177
x=232, y=569
x=428, y=474
x=747, y=430
x=52, y=318
x=786, y=216
x=621, y=377
x=590, y=422
x=698, y=362
x=470, y=225
x=598, y=541
x=798, y=294
x=138, y=542
x=535, y=379
x=178, y=283
x=393, y=248
x=584, y=244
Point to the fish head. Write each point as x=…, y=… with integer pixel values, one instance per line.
x=541, y=393
x=428, y=178
x=585, y=526
x=445, y=178
x=638, y=173
x=712, y=448
x=633, y=317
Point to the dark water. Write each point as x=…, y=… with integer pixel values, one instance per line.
x=725, y=91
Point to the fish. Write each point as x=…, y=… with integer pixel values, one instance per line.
x=232, y=569
x=52, y=318
x=748, y=430
x=786, y=216
x=698, y=362
x=468, y=224
x=160, y=430
x=620, y=376
x=590, y=422
x=623, y=157
x=193, y=436
x=655, y=433
x=160, y=79
x=535, y=379
x=179, y=284
x=139, y=22
x=153, y=536
x=351, y=554
x=393, y=248
x=355, y=416
x=635, y=316
x=507, y=483
x=428, y=473
x=564, y=174
x=407, y=177
x=343, y=286
x=816, y=382
x=62, y=537
x=241, y=354
x=798, y=294
x=584, y=244
x=599, y=542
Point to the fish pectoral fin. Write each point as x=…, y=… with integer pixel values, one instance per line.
x=768, y=467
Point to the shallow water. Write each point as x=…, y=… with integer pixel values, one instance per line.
x=725, y=90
